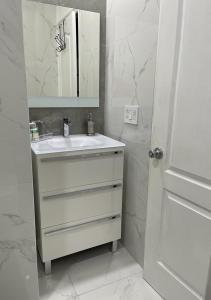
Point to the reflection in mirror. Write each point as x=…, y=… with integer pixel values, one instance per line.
x=61, y=52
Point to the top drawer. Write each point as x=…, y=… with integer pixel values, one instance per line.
x=62, y=173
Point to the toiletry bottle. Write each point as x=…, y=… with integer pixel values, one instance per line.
x=66, y=127
x=32, y=125
x=91, y=125
x=34, y=132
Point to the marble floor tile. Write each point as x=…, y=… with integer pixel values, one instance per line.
x=100, y=268
x=95, y=274
x=131, y=288
x=56, y=286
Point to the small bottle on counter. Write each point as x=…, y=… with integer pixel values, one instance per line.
x=35, y=135
x=66, y=127
x=91, y=125
x=34, y=132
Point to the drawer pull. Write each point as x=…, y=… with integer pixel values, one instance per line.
x=81, y=156
x=89, y=190
x=75, y=227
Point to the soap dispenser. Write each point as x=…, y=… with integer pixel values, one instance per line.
x=66, y=127
x=91, y=125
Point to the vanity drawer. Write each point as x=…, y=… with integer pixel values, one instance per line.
x=68, y=240
x=82, y=204
x=61, y=173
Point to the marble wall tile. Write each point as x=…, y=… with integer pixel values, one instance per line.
x=18, y=267
x=132, y=28
x=53, y=119
x=53, y=116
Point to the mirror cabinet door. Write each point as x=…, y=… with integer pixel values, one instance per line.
x=62, y=55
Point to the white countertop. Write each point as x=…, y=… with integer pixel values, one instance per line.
x=73, y=143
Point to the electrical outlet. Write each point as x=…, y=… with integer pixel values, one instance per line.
x=131, y=114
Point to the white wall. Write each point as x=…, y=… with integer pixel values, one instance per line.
x=18, y=271
x=132, y=27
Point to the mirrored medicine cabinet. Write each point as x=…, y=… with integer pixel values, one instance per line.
x=62, y=55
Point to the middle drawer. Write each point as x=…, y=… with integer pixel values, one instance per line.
x=79, y=205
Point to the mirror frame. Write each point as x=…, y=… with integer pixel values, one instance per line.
x=47, y=102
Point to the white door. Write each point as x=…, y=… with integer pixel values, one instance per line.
x=178, y=235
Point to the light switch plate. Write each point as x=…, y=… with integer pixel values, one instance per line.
x=131, y=114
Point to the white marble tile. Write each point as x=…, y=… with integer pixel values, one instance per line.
x=95, y=274
x=57, y=286
x=131, y=288
x=100, y=268
x=18, y=270
x=134, y=235
x=132, y=27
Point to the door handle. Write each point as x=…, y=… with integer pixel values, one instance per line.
x=157, y=153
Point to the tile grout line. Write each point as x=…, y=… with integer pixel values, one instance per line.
x=75, y=291
x=106, y=284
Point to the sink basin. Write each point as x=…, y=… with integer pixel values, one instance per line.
x=74, y=143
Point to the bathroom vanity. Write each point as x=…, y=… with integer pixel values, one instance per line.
x=78, y=194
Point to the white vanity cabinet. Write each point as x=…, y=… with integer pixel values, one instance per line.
x=78, y=195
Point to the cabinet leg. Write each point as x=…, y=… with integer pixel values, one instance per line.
x=47, y=267
x=114, y=246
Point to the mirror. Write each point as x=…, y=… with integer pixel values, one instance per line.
x=62, y=52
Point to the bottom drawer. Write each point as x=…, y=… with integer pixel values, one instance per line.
x=68, y=240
